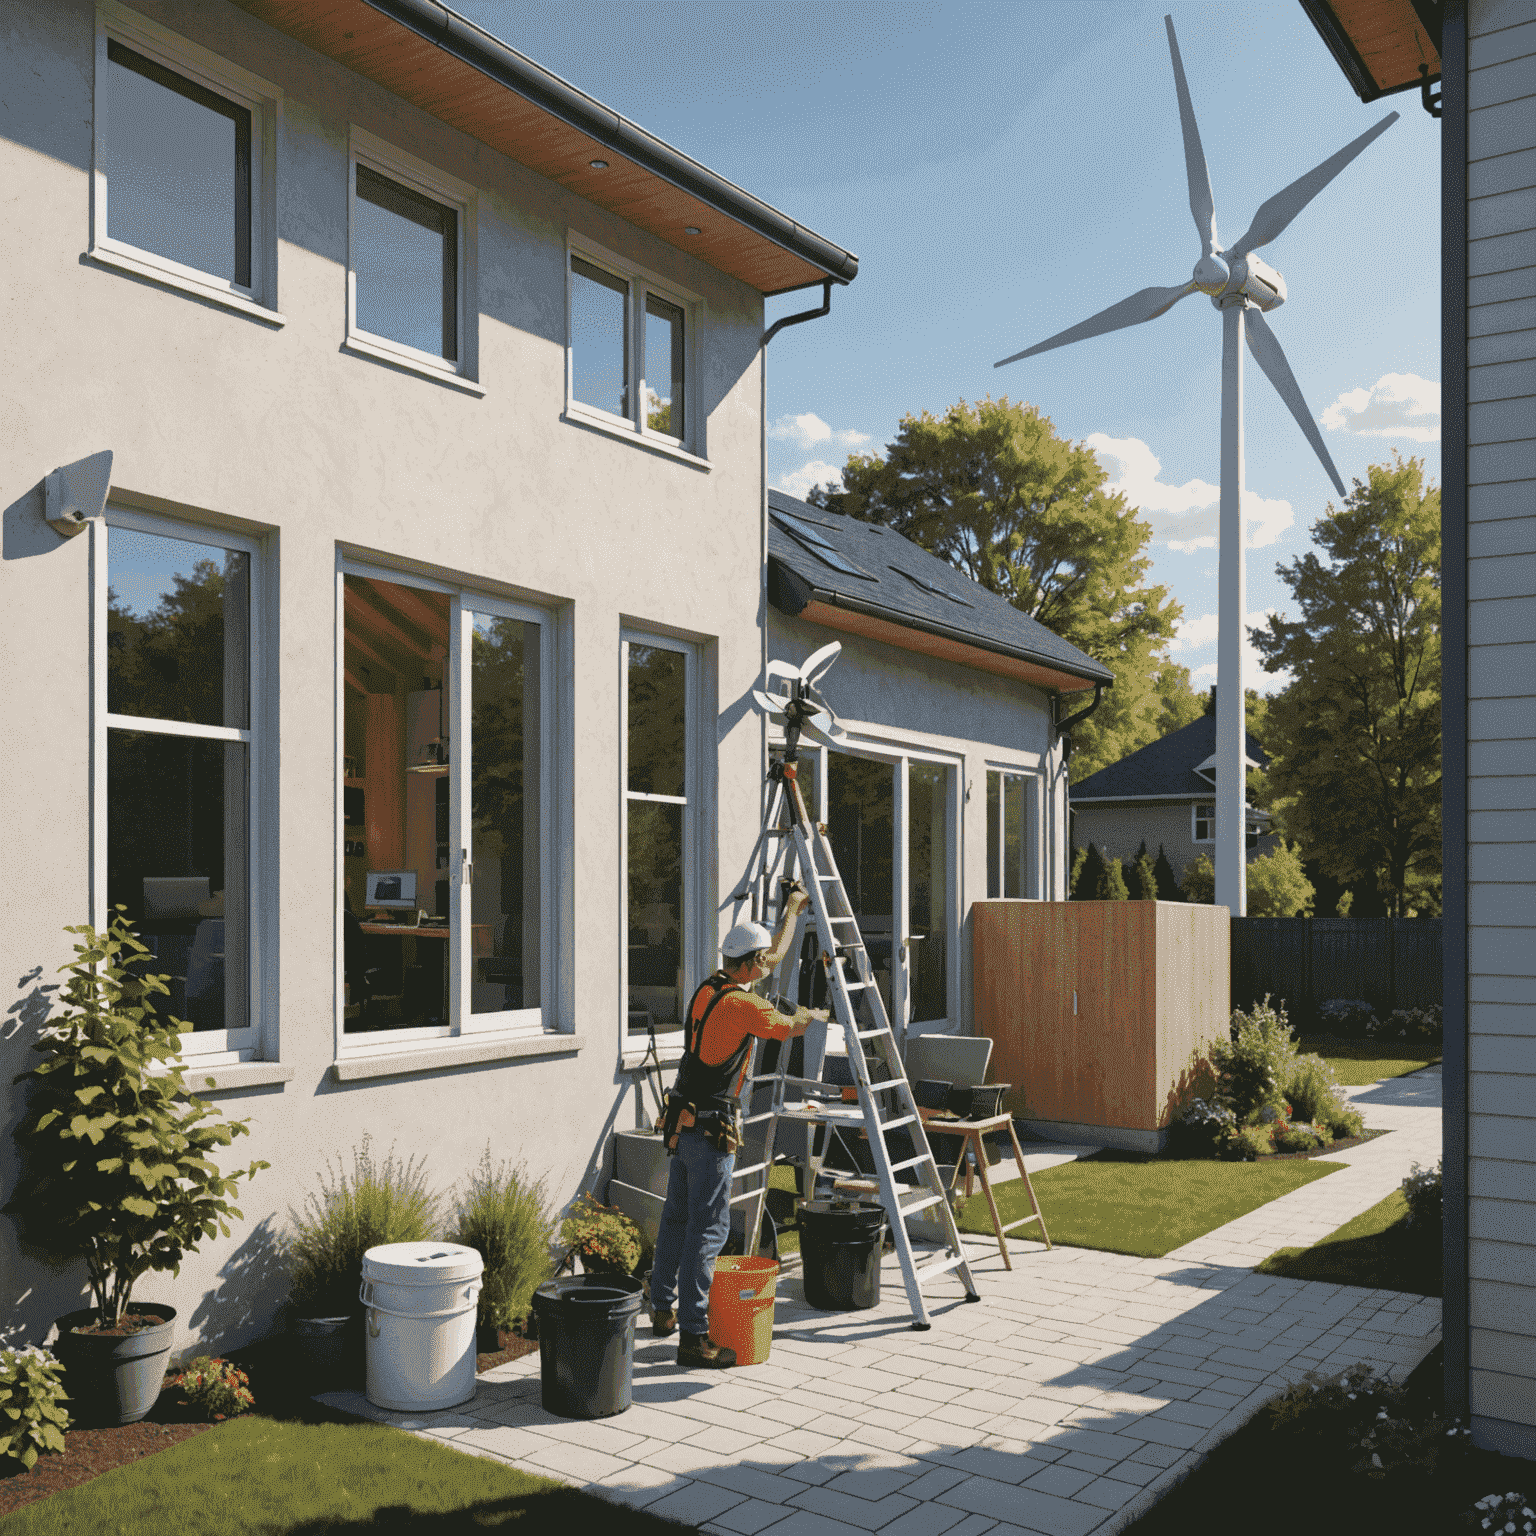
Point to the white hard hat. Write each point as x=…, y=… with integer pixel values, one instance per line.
x=745, y=939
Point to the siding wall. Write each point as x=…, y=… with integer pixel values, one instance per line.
x=1119, y=830
x=1501, y=718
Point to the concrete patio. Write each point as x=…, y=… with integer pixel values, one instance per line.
x=1081, y=1388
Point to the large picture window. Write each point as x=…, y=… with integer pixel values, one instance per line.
x=446, y=810
x=177, y=766
x=660, y=806
x=184, y=164
x=629, y=350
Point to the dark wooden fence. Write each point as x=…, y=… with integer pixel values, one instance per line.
x=1391, y=962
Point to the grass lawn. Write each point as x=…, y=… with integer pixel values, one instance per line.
x=1359, y=1062
x=1126, y=1203
x=254, y=1476
x=1373, y=1250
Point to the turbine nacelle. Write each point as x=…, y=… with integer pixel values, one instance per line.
x=1212, y=274
x=1252, y=279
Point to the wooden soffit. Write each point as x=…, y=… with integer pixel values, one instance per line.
x=925, y=643
x=441, y=63
x=1380, y=44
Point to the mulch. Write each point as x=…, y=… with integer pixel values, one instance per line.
x=280, y=1392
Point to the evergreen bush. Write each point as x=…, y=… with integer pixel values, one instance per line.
x=505, y=1216
x=1091, y=876
x=1199, y=883
x=377, y=1203
x=1167, y=881
x=1144, y=882
x=1074, y=885
x=1114, y=887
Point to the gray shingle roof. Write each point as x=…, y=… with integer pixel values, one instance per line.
x=817, y=554
x=1165, y=767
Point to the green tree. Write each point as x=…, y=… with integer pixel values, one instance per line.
x=1167, y=881
x=1355, y=738
x=1144, y=885
x=1099, y=879
x=1199, y=883
x=1277, y=886
x=992, y=489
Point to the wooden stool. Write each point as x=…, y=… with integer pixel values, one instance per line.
x=971, y=1132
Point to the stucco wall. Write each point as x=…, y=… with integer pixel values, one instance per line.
x=1501, y=718
x=281, y=433
x=889, y=699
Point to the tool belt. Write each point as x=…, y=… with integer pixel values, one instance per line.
x=721, y=1128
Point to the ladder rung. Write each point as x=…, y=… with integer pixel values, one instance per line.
x=939, y=1266
x=852, y=920
x=920, y=1204
x=741, y=1173
x=870, y=1034
x=856, y=986
x=750, y=1194
x=826, y=877
x=891, y=1125
x=912, y=1162
x=1023, y=1221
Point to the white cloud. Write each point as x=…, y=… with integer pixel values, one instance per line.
x=1183, y=517
x=1200, y=634
x=1396, y=405
x=818, y=472
x=808, y=430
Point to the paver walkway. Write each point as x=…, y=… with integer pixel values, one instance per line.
x=1065, y=1403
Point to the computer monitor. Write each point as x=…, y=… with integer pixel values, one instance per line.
x=395, y=888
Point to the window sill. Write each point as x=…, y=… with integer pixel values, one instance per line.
x=240, y=1074
x=633, y=1060
x=601, y=421
x=139, y=267
x=365, y=348
x=458, y=1053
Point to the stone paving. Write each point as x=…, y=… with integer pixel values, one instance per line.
x=1064, y=1404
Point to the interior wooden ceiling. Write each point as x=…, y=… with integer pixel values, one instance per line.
x=1389, y=39
x=416, y=69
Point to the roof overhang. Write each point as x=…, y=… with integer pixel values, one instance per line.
x=1381, y=44
x=442, y=63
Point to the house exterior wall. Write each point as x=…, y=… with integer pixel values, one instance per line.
x=220, y=418
x=1119, y=830
x=1500, y=711
x=889, y=699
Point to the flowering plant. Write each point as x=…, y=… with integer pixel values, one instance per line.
x=215, y=1387
x=1423, y=1189
x=607, y=1241
x=32, y=1416
x=1505, y=1512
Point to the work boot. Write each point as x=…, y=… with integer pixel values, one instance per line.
x=664, y=1322
x=698, y=1349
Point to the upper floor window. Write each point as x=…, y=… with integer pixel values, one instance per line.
x=184, y=164
x=178, y=767
x=630, y=344
x=410, y=270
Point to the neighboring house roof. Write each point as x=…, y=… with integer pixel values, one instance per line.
x=1163, y=770
x=864, y=579
x=1380, y=44
x=446, y=65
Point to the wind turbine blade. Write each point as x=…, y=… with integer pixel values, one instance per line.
x=1265, y=347
x=785, y=669
x=770, y=706
x=813, y=733
x=1201, y=203
x=1277, y=213
x=1140, y=307
x=817, y=665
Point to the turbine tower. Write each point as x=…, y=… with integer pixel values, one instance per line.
x=1244, y=289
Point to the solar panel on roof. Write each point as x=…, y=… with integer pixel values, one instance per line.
x=807, y=536
x=930, y=586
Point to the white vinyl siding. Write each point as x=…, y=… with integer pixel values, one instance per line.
x=1501, y=710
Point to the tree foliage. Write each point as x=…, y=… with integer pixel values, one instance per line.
x=1099, y=879
x=1277, y=885
x=1355, y=737
x=992, y=489
x=119, y=1155
x=1143, y=886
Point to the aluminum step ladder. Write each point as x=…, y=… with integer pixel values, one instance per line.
x=793, y=846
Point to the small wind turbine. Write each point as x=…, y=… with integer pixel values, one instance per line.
x=1244, y=289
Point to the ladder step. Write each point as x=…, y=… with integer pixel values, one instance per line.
x=891, y=1125
x=1023, y=1221
x=826, y=877
x=920, y=1204
x=912, y=1162
x=939, y=1266
x=741, y=1173
x=856, y=986
x=870, y=1034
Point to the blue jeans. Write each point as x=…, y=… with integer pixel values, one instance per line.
x=695, y=1222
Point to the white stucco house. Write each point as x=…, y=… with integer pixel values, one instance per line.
x=373, y=674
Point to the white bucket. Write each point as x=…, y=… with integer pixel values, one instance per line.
x=420, y=1324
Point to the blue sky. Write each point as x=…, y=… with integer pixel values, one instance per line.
x=1003, y=171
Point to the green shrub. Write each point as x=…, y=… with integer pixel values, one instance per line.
x=1254, y=1066
x=1343, y=1122
x=605, y=1239
x=1079, y=860
x=1420, y=1026
x=1346, y=1017
x=1144, y=886
x=1167, y=883
x=1313, y=1090
x=1294, y=1138
x=505, y=1216
x=388, y=1203
x=1277, y=887
x=32, y=1413
x=216, y=1388
x=1423, y=1190
x=1199, y=883
x=1201, y=1129
x=1249, y=1142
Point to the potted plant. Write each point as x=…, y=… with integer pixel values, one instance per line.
x=376, y=1203
x=505, y=1216
x=119, y=1167
x=605, y=1240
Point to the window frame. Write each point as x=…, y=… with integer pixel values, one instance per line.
x=1033, y=879
x=642, y=282
x=416, y=175
x=1195, y=818
x=697, y=958
x=261, y=98
x=551, y=1017
x=213, y=1046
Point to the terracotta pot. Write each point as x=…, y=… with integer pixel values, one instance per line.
x=115, y=1378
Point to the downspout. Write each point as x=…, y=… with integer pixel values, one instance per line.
x=805, y=314
x=1060, y=728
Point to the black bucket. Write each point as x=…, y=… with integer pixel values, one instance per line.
x=587, y=1344
x=840, y=1244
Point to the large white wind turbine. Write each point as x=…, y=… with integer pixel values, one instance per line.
x=1244, y=289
